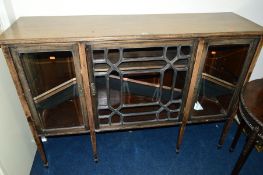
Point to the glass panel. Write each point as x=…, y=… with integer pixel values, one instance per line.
x=171, y=53
x=223, y=66
x=181, y=63
x=101, y=87
x=141, y=88
x=101, y=67
x=104, y=121
x=163, y=115
x=167, y=86
x=140, y=84
x=185, y=50
x=104, y=112
x=52, y=82
x=115, y=119
x=143, y=52
x=141, y=65
x=140, y=118
x=140, y=109
x=98, y=55
x=113, y=55
x=213, y=99
x=114, y=89
x=180, y=79
x=226, y=61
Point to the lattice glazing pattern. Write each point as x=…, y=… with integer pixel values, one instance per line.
x=140, y=84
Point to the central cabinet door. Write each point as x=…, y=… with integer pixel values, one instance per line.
x=140, y=83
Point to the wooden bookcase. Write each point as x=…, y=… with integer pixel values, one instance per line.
x=88, y=74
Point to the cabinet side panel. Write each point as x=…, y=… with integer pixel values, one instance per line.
x=254, y=60
x=23, y=101
x=16, y=80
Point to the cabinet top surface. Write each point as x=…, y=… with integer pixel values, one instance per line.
x=113, y=27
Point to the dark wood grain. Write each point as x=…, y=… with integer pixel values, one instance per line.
x=198, y=65
x=88, y=96
x=250, y=114
x=253, y=99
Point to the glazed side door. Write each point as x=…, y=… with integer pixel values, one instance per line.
x=224, y=66
x=52, y=84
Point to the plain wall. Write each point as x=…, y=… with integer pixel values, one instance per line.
x=17, y=147
x=251, y=9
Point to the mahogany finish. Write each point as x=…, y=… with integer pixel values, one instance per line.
x=88, y=74
x=250, y=114
x=252, y=99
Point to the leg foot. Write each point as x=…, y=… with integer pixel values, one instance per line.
x=219, y=146
x=237, y=135
x=246, y=151
x=38, y=141
x=46, y=165
x=96, y=160
x=94, y=146
x=231, y=150
x=180, y=137
x=177, y=151
x=226, y=128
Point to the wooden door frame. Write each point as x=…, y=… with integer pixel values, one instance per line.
x=142, y=44
x=49, y=47
x=198, y=69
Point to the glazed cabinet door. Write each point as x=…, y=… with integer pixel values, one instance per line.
x=50, y=77
x=225, y=65
x=139, y=84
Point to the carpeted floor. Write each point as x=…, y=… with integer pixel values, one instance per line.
x=147, y=152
